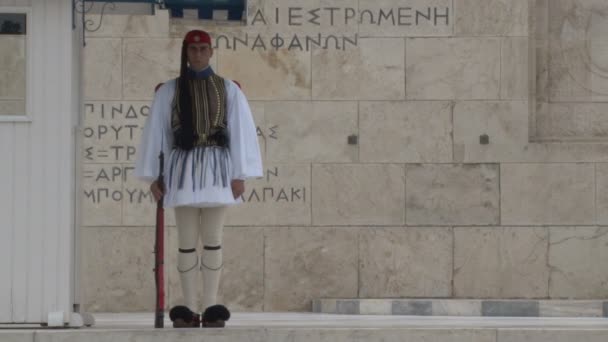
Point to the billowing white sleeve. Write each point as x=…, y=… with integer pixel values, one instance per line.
x=242, y=134
x=156, y=135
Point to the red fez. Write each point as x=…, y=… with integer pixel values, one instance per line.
x=197, y=36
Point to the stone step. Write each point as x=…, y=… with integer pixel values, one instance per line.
x=309, y=327
x=463, y=307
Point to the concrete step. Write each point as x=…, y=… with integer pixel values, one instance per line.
x=463, y=307
x=309, y=327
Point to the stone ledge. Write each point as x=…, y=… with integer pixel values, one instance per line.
x=463, y=307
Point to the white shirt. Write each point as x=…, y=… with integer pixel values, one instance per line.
x=205, y=172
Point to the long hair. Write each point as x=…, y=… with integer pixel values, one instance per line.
x=187, y=135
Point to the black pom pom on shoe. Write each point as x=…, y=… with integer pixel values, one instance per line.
x=215, y=316
x=183, y=317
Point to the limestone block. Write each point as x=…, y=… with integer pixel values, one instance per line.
x=17, y=336
x=444, y=194
x=575, y=255
x=242, y=285
x=505, y=123
x=539, y=19
x=578, y=47
x=101, y=200
x=510, y=308
x=149, y=61
x=390, y=257
x=123, y=26
x=103, y=69
x=564, y=121
x=571, y=308
x=13, y=56
x=386, y=335
x=278, y=74
x=375, y=307
x=308, y=18
x=452, y=68
x=456, y=307
x=112, y=130
x=491, y=17
x=303, y=263
x=138, y=204
x=364, y=194
x=406, y=132
x=550, y=335
x=117, y=268
x=265, y=133
x=360, y=72
x=540, y=88
x=500, y=262
x=561, y=193
x=398, y=19
x=311, y=131
x=514, y=77
x=601, y=173
x=281, y=197
x=12, y=107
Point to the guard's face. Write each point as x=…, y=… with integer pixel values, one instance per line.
x=199, y=55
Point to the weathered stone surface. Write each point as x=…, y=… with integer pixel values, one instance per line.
x=375, y=307
x=360, y=72
x=444, y=194
x=103, y=65
x=510, y=308
x=146, y=64
x=456, y=307
x=101, y=200
x=601, y=172
x=547, y=194
x=491, y=18
x=452, y=68
x=407, y=132
x=500, y=262
x=327, y=256
x=242, y=284
x=282, y=197
x=122, y=26
x=277, y=75
x=573, y=121
x=385, y=335
x=398, y=19
x=349, y=194
x=117, y=264
x=138, y=204
x=570, y=308
x=504, y=122
x=575, y=258
x=412, y=307
x=556, y=335
x=311, y=131
x=578, y=46
x=389, y=257
x=514, y=78
x=112, y=130
x=308, y=18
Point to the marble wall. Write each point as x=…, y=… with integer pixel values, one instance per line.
x=411, y=149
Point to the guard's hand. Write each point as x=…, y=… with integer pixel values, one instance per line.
x=238, y=187
x=157, y=190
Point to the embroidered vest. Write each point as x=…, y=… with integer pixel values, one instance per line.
x=208, y=97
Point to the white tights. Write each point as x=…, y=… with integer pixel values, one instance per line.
x=191, y=222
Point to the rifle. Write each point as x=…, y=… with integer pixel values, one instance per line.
x=159, y=251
